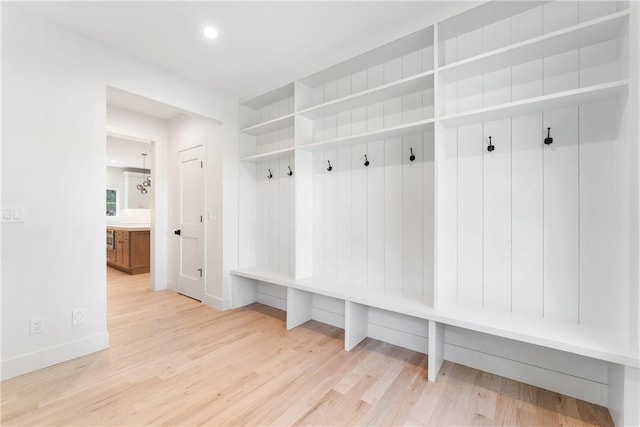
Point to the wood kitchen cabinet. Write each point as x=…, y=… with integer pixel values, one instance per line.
x=131, y=253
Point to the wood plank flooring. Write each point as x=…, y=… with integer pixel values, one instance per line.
x=174, y=361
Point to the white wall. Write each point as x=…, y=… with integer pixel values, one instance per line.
x=53, y=145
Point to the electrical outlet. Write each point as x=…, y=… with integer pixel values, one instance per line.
x=35, y=325
x=77, y=316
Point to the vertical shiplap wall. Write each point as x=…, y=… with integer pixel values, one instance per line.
x=373, y=225
x=524, y=228
x=529, y=228
x=275, y=216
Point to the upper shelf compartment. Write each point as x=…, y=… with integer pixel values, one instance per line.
x=496, y=25
x=578, y=36
x=416, y=83
x=269, y=112
x=408, y=56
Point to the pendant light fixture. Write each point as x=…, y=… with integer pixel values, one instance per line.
x=146, y=180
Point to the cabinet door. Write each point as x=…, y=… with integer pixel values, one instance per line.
x=123, y=253
x=139, y=245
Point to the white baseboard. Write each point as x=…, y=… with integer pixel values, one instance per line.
x=216, y=302
x=53, y=355
x=580, y=388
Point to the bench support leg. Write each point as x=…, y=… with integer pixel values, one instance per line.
x=299, y=305
x=624, y=394
x=356, y=321
x=436, y=349
x=243, y=291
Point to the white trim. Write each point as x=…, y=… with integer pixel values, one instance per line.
x=29, y=362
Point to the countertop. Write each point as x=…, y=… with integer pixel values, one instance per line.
x=129, y=227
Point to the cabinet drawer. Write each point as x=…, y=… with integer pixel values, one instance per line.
x=122, y=235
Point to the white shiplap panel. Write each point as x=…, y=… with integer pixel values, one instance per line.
x=285, y=215
x=359, y=196
x=428, y=212
x=526, y=25
x=375, y=116
x=497, y=217
x=557, y=15
x=319, y=165
x=412, y=107
x=600, y=305
x=561, y=216
x=262, y=216
x=393, y=215
x=375, y=76
x=496, y=35
x=392, y=112
x=292, y=216
x=526, y=80
x=393, y=70
x=375, y=215
x=344, y=215
x=470, y=148
x=497, y=87
x=470, y=93
x=469, y=44
x=412, y=216
x=411, y=64
x=527, y=231
x=273, y=245
x=330, y=207
x=447, y=290
x=344, y=119
x=561, y=72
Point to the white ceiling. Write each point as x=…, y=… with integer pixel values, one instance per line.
x=261, y=44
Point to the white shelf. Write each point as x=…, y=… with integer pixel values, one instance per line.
x=270, y=276
x=575, y=339
x=270, y=125
x=537, y=104
x=575, y=37
x=390, y=132
x=270, y=97
x=268, y=156
x=395, y=49
x=418, y=82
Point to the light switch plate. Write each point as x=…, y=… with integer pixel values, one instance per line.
x=13, y=213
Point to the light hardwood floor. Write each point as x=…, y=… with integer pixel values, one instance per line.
x=174, y=361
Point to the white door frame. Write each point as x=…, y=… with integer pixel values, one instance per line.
x=156, y=242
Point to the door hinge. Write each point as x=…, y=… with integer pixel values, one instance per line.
x=201, y=164
x=200, y=218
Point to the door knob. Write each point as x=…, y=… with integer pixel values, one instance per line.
x=177, y=232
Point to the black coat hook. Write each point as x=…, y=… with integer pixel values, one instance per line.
x=270, y=174
x=548, y=140
x=290, y=171
x=412, y=157
x=330, y=168
x=490, y=147
x=366, y=161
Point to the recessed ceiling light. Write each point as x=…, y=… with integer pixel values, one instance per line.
x=210, y=32
x=114, y=161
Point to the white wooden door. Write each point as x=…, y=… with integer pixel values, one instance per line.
x=191, y=225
